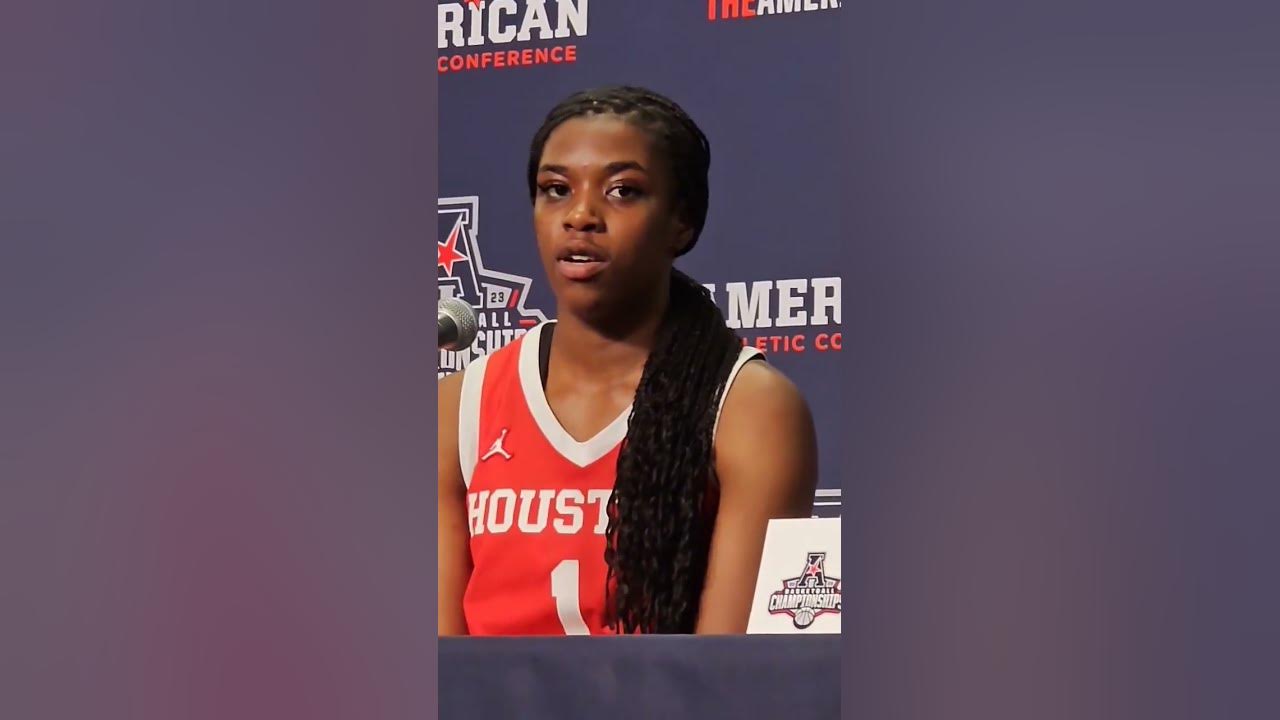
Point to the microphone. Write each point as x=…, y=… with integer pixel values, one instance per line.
x=455, y=324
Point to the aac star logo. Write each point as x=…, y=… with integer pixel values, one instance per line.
x=447, y=252
x=812, y=594
x=499, y=298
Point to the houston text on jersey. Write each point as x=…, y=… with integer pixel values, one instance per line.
x=532, y=512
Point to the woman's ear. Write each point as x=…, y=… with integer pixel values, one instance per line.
x=681, y=238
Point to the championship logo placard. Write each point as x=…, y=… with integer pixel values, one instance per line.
x=798, y=588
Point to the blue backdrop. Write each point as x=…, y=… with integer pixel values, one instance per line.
x=760, y=78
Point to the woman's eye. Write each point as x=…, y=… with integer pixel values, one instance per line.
x=625, y=192
x=554, y=190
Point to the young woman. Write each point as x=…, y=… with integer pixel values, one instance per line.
x=614, y=471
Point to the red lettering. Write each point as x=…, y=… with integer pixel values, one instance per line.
x=790, y=343
x=510, y=58
x=711, y=10
x=782, y=343
x=730, y=9
x=837, y=341
x=747, y=10
x=825, y=342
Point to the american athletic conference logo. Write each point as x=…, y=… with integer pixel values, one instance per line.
x=805, y=598
x=499, y=298
x=495, y=34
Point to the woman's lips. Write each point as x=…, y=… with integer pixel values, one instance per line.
x=580, y=269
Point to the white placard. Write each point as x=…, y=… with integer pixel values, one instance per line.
x=798, y=587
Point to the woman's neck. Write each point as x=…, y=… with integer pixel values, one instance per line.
x=592, y=350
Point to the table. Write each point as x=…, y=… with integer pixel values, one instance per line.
x=748, y=677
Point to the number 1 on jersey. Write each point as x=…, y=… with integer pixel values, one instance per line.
x=564, y=588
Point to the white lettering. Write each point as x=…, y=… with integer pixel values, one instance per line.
x=535, y=15
x=826, y=296
x=496, y=32
x=574, y=511
x=773, y=7
x=497, y=511
x=798, y=302
x=571, y=14
x=789, y=601
x=545, y=498
x=449, y=25
x=501, y=524
x=477, y=26
x=790, y=305
x=475, y=511
x=502, y=21
x=601, y=498
x=749, y=310
x=488, y=341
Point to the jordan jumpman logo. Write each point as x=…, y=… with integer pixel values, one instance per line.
x=496, y=448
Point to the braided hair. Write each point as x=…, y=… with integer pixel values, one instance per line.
x=661, y=511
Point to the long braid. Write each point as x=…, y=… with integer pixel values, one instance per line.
x=660, y=527
x=660, y=517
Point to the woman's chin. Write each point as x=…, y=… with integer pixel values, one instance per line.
x=591, y=303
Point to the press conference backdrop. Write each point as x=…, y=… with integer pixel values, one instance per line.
x=761, y=78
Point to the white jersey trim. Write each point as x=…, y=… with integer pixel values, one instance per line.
x=469, y=417
x=579, y=453
x=747, y=354
x=586, y=452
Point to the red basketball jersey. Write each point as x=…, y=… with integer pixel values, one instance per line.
x=536, y=500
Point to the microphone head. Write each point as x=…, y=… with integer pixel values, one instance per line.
x=463, y=317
